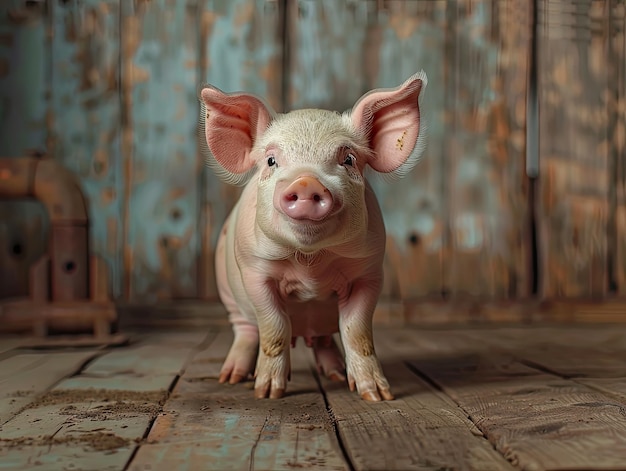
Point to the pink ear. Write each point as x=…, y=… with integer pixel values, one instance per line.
x=232, y=124
x=391, y=120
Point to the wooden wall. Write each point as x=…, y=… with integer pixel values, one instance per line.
x=109, y=87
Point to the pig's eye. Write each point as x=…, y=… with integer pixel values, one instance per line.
x=350, y=160
x=271, y=161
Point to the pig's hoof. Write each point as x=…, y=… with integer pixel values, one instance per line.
x=336, y=376
x=262, y=393
x=328, y=358
x=375, y=396
x=232, y=378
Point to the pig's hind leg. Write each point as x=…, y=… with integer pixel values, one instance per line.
x=242, y=355
x=328, y=358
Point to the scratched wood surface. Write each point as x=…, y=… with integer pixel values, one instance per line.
x=574, y=184
x=515, y=397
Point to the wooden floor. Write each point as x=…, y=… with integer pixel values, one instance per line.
x=527, y=398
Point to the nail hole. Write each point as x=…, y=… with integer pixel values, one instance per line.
x=176, y=214
x=69, y=267
x=17, y=249
x=414, y=239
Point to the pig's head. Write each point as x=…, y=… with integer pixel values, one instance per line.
x=309, y=164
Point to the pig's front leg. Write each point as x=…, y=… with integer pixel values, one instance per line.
x=355, y=325
x=273, y=364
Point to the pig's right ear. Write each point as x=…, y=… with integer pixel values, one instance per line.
x=230, y=125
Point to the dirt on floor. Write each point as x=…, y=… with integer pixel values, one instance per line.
x=98, y=441
x=113, y=405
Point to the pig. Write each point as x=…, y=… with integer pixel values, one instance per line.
x=301, y=253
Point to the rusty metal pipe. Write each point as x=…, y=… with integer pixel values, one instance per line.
x=59, y=191
x=48, y=181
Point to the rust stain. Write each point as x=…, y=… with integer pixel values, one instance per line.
x=176, y=193
x=108, y=196
x=244, y=15
x=207, y=20
x=131, y=38
x=404, y=25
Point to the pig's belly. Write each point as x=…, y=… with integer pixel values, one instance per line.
x=313, y=318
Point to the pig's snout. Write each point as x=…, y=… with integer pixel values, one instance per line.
x=306, y=198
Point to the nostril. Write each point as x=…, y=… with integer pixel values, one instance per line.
x=292, y=197
x=317, y=198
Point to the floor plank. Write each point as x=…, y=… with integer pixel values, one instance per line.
x=10, y=342
x=535, y=419
x=421, y=429
x=93, y=420
x=209, y=425
x=595, y=357
x=26, y=375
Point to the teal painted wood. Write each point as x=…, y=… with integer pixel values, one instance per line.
x=162, y=187
x=85, y=115
x=23, y=81
x=485, y=186
x=411, y=37
x=23, y=105
x=240, y=50
x=382, y=44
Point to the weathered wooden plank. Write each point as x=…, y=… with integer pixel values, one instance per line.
x=207, y=422
x=10, y=342
x=487, y=50
x=592, y=356
x=574, y=166
x=536, y=420
x=27, y=375
x=85, y=115
x=384, y=44
x=23, y=106
x=93, y=420
x=420, y=429
x=617, y=144
x=160, y=108
x=23, y=80
x=240, y=50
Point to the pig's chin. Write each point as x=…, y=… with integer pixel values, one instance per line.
x=309, y=236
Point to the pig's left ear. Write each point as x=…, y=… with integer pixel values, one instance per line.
x=230, y=125
x=392, y=121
